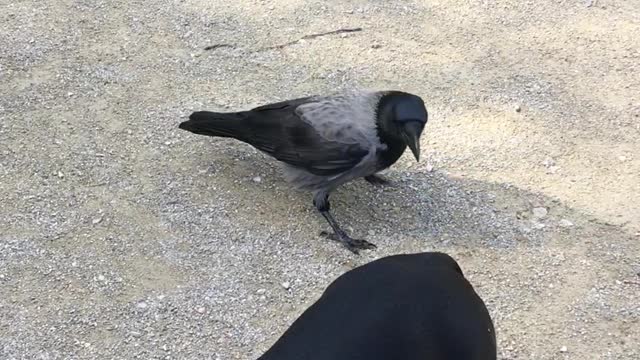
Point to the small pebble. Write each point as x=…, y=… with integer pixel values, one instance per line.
x=429, y=168
x=96, y=220
x=548, y=162
x=565, y=223
x=538, y=226
x=518, y=108
x=552, y=169
x=141, y=305
x=257, y=179
x=563, y=349
x=200, y=309
x=100, y=277
x=286, y=285
x=540, y=212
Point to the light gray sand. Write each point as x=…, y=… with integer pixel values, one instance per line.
x=123, y=237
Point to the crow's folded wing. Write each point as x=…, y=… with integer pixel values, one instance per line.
x=278, y=130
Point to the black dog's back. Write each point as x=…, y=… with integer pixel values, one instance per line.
x=409, y=307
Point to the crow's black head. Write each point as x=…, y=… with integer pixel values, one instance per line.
x=402, y=117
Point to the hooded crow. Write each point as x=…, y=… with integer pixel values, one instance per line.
x=326, y=141
x=409, y=307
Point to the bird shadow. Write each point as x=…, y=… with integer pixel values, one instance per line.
x=423, y=206
x=432, y=206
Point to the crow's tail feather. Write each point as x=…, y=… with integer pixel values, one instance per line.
x=216, y=124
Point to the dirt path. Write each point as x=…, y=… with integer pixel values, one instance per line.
x=123, y=237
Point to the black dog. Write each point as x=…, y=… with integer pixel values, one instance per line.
x=403, y=307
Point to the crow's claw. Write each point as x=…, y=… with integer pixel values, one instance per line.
x=354, y=245
x=377, y=180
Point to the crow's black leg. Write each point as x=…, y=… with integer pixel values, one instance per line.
x=321, y=201
x=377, y=180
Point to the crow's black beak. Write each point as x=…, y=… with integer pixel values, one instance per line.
x=411, y=133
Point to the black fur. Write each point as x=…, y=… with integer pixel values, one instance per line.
x=404, y=307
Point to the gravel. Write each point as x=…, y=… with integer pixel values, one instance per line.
x=123, y=237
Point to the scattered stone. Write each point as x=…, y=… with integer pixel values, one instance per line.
x=548, y=162
x=540, y=212
x=622, y=158
x=518, y=108
x=563, y=349
x=565, y=223
x=522, y=214
x=96, y=220
x=257, y=179
x=429, y=167
x=200, y=309
x=286, y=285
x=538, y=226
x=261, y=291
x=141, y=305
x=552, y=170
x=101, y=277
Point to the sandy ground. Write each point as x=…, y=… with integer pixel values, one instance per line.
x=123, y=237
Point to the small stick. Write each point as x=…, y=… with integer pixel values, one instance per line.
x=217, y=46
x=281, y=46
x=311, y=36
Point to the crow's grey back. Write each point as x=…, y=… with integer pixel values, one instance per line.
x=347, y=118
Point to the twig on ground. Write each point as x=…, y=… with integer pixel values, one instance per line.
x=311, y=36
x=217, y=46
x=281, y=46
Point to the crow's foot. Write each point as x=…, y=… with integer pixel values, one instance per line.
x=354, y=245
x=377, y=180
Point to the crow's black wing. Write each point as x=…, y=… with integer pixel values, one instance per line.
x=278, y=130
